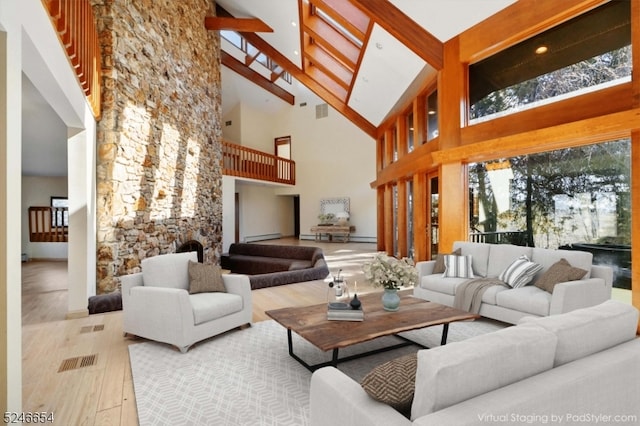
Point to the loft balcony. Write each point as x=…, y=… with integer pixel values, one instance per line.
x=241, y=161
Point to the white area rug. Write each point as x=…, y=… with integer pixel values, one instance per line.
x=246, y=377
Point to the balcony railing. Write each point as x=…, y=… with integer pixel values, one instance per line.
x=76, y=28
x=49, y=224
x=238, y=160
x=518, y=238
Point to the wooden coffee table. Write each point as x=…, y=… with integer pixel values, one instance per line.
x=310, y=322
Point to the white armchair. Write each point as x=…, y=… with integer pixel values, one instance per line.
x=157, y=305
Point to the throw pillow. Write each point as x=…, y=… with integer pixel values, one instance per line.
x=559, y=272
x=205, y=278
x=393, y=382
x=458, y=266
x=520, y=272
x=439, y=268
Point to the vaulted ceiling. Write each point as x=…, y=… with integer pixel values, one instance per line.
x=359, y=56
x=363, y=74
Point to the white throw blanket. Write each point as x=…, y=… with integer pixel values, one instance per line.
x=469, y=293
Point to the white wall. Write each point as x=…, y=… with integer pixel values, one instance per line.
x=258, y=130
x=334, y=158
x=10, y=161
x=232, y=132
x=37, y=191
x=260, y=212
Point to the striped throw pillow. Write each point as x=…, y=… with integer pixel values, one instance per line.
x=458, y=266
x=520, y=272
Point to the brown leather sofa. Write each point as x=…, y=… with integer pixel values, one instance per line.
x=270, y=265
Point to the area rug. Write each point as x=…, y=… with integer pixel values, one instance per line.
x=246, y=377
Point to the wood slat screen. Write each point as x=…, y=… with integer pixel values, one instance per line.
x=73, y=21
x=250, y=163
x=49, y=224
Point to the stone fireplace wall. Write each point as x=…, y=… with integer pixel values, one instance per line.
x=159, y=180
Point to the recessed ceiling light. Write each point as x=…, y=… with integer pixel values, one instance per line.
x=379, y=45
x=295, y=52
x=541, y=49
x=294, y=24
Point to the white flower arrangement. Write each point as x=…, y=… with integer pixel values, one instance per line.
x=389, y=272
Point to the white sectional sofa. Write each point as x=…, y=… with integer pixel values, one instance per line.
x=511, y=304
x=575, y=368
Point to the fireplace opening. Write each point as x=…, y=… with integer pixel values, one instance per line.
x=192, y=245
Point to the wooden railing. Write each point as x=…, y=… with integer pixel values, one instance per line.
x=251, y=163
x=76, y=28
x=49, y=224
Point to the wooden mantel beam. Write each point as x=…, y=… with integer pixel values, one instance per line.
x=252, y=25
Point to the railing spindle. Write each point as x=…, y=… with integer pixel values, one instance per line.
x=73, y=21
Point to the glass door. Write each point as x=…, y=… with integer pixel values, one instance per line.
x=432, y=216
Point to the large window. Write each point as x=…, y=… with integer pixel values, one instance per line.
x=432, y=116
x=586, y=53
x=559, y=199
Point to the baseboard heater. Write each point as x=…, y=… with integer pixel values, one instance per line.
x=264, y=237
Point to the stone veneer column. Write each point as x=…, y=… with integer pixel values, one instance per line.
x=159, y=180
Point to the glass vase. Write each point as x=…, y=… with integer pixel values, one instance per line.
x=390, y=300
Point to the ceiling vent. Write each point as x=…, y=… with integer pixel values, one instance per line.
x=322, y=110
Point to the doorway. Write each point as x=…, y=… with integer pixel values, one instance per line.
x=236, y=232
x=283, y=147
x=296, y=216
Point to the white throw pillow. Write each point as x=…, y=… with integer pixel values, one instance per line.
x=458, y=266
x=520, y=272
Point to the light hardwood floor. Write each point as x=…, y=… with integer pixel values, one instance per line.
x=102, y=393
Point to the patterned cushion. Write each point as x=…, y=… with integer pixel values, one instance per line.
x=439, y=267
x=205, y=278
x=393, y=382
x=458, y=266
x=520, y=272
x=559, y=272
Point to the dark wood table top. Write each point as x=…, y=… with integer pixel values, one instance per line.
x=311, y=323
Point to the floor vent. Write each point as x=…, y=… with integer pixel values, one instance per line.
x=78, y=362
x=91, y=328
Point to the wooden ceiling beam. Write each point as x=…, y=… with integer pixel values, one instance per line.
x=297, y=73
x=277, y=74
x=339, y=46
x=255, y=77
x=236, y=24
x=328, y=82
x=330, y=98
x=405, y=29
x=249, y=59
x=347, y=14
x=329, y=65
